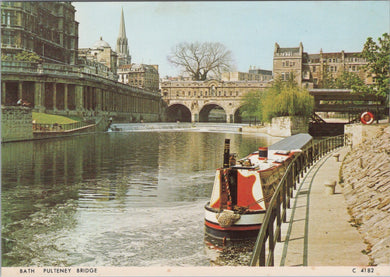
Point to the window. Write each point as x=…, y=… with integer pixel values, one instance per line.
x=7, y=38
x=314, y=69
x=7, y=18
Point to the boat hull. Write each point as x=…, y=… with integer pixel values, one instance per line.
x=246, y=228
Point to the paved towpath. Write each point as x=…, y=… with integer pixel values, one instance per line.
x=318, y=232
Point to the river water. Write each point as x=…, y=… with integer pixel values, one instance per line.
x=113, y=199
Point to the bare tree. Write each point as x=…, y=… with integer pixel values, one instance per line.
x=200, y=59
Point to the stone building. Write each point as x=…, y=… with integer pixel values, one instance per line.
x=46, y=28
x=209, y=88
x=136, y=75
x=140, y=75
x=309, y=69
x=254, y=74
x=63, y=82
x=289, y=61
x=334, y=64
x=101, y=53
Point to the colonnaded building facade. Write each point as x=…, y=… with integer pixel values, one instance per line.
x=66, y=80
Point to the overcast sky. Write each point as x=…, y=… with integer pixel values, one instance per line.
x=248, y=29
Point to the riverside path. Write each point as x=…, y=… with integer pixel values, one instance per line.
x=318, y=232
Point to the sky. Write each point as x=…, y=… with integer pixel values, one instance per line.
x=248, y=29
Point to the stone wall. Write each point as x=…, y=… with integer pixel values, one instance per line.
x=16, y=123
x=286, y=126
x=359, y=133
x=366, y=188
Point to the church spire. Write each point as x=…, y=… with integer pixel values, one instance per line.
x=122, y=47
x=122, y=29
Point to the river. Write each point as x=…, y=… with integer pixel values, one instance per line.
x=113, y=199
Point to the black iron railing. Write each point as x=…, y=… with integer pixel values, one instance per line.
x=276, y=211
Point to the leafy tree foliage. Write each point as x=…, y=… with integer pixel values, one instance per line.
x=200, y=59
x=5, y=57
x=287, y=99
x=282, y=99
x=348, y=80
x=252, y=105
x=27, y=57
x=326, y=80
x=378, y=57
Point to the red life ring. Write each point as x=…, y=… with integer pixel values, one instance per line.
x=367, y=118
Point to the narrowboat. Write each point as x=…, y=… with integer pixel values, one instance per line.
x=243, y=189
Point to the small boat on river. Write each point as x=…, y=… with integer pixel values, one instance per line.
x=243, y=189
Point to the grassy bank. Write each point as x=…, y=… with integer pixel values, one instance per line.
x=44, y=118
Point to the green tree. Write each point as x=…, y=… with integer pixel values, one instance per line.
x=5, y=57
x=327, y=80
x=251, y=104
x=286, y=99
x=348, y=80
x=378, y=57
x=27, y=57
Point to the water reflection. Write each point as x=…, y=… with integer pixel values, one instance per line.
x=111, y=199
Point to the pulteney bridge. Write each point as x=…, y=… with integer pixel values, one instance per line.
x=205, y=101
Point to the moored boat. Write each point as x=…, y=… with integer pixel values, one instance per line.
x=242, y=189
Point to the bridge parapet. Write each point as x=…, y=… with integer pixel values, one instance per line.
x=199, y=96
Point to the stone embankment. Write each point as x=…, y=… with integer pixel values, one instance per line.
x=366, y=180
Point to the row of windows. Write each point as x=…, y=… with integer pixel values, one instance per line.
x=337, y=60
x=288, y=64
x=213, y=93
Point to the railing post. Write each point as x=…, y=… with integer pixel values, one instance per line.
x=270, y=261
x=278, y=221
x=286, y=199
x=294, y=183
x=262, y=252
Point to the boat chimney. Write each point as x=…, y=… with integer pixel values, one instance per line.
x=226, y=153
x=263, y=153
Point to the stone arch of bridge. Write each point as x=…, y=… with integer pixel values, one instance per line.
x=237, y=115
x=178, y=112
x=212, y=112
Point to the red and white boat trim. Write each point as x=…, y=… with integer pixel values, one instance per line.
x=242, y=190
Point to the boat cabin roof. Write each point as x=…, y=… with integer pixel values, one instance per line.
x=294, y=142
